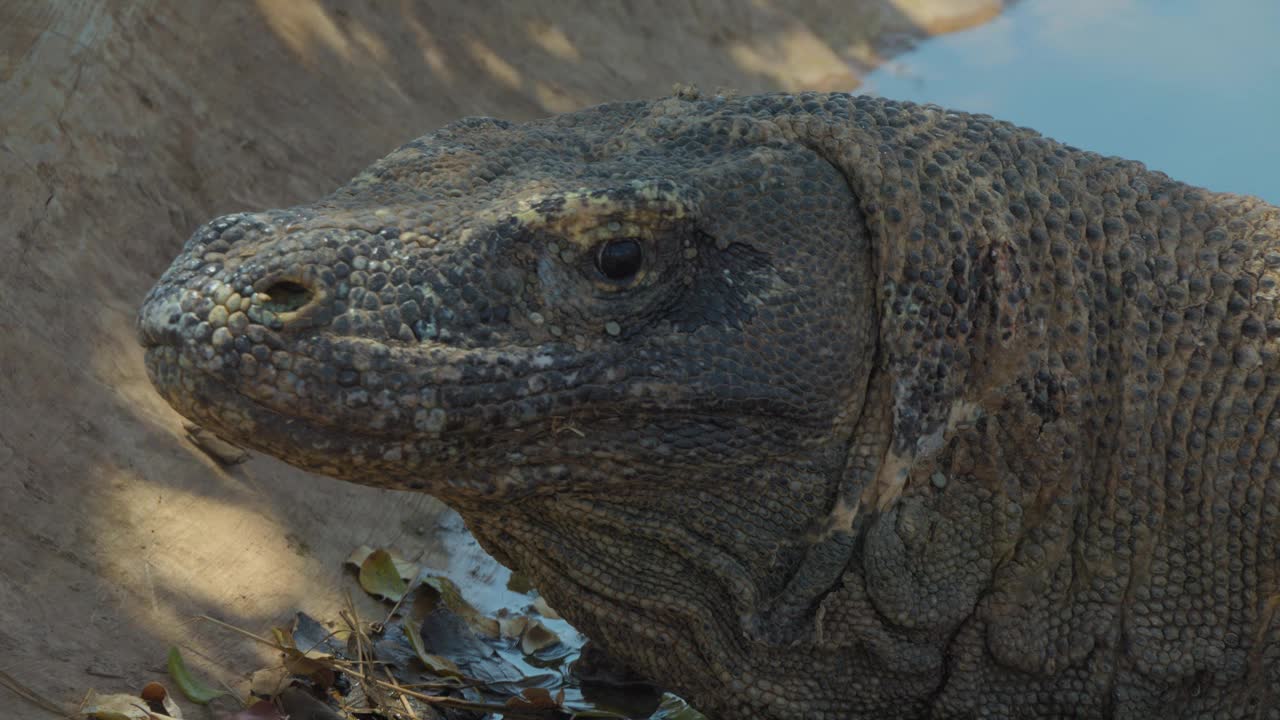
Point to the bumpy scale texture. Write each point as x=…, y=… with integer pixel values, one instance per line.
x=806, y=406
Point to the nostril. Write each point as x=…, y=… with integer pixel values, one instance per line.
x=285, y=296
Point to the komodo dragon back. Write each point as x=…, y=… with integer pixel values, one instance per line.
x=805, y=406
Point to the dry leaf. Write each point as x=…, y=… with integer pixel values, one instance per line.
x=215, y=447
x=534, y=698
x=379, y=577
x=437, y=664
x=195, y=690
x=269, y=681
x=407, y=570
x=536, y=637
x=513, y=627
x=447, y=592
x=545, y=610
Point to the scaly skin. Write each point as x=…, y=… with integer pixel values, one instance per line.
x=886, y=411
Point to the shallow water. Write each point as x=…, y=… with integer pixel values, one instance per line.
x=1190, y=87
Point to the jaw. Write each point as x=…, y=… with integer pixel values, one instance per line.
x=343, y=451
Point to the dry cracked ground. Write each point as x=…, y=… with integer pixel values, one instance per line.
x=123, y=125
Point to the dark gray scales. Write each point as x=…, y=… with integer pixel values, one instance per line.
x=805, y=406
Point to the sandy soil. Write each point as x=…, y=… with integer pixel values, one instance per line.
x=124, y=124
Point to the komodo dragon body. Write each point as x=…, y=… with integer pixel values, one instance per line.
x=805, y=406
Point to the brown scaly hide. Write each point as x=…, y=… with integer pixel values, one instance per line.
x=892, y=411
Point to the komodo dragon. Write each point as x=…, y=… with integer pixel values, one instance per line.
x=803, y=405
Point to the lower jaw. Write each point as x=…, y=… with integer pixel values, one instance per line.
x=336, y=451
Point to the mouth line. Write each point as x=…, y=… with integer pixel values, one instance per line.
x=453, y=466
x=210, y=390
x=224, y=393
x=345, y=452
x=210, y=393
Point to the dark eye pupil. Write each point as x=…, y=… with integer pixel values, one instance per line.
x=620, y=259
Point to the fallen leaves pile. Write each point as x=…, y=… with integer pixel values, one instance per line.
x=433, y=656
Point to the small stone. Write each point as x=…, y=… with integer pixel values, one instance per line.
x=612, y=328
x=690, y=253
x=556, y=330
x=223, y=452
x=536, y=318
x=939, y=480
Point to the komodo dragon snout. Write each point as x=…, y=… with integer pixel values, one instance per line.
x=807, y=406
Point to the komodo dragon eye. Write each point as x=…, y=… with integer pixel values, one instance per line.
x=620, y=259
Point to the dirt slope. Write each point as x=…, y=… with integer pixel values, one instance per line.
x=123, y=125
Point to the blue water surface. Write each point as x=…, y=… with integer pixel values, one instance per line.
x=1190, y=87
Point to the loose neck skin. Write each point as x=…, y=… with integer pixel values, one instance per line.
x=679, y=576
x=732, y=537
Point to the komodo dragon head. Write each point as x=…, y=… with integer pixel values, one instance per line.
x=717, y=374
